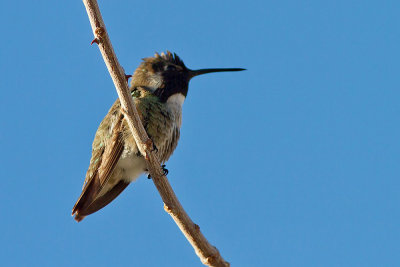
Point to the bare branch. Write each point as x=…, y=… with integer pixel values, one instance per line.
x=208, y=254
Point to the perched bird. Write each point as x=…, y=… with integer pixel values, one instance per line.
x=158, y=87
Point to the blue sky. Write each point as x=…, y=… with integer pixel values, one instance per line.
x=294, y=162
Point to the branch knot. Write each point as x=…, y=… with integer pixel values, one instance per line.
x=99, y=32
x=171, y=209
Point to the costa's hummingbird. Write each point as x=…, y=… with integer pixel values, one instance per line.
x=158, y=87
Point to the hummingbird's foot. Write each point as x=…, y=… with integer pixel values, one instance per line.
x=165, y=170
x=148, y=175
x=95, y=40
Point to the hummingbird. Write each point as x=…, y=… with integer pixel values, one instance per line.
x=159, y=87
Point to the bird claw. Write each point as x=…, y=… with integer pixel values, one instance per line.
x=148, y=175
x=165, y=170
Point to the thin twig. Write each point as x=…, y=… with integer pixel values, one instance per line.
x=208, y=254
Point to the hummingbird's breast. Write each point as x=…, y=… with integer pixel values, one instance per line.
x=162, y=122
x=163, y=125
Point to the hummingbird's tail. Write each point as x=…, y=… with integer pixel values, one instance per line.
x=89, y=203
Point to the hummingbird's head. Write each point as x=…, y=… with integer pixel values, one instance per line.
x=166, y=75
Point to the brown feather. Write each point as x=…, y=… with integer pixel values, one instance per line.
x=99, y=177
x=104, y=200
x=87, y=195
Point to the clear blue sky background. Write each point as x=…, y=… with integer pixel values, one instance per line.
x=294, y=162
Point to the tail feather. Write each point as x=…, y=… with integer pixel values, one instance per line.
x=88, y=204
x=87, y=196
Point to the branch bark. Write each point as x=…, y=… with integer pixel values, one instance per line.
x=208, y=254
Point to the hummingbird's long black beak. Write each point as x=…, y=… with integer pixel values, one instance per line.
x=193, y=73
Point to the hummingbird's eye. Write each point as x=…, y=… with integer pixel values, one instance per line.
x=170, y=68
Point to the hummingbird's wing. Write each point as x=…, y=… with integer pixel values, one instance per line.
x=104, y=158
